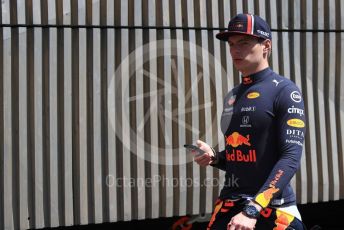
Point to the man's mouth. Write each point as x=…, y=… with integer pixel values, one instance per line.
x=237, y=59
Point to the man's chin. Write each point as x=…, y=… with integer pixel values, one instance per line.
x=238, y=67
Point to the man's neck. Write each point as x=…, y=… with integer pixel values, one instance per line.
x=255, y=70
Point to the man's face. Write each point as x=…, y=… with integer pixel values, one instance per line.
x=246, y=51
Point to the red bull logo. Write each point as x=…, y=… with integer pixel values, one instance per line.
x=247, y=80
x=236, y=139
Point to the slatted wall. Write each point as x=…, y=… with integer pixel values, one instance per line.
x=97, y=97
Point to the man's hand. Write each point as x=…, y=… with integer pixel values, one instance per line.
x=241, y=222
x=207, y=157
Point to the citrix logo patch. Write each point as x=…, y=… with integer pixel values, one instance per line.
x=294, y=110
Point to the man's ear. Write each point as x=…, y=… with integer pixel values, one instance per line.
x=267, y=47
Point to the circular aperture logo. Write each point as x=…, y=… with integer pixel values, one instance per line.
x=163, y=92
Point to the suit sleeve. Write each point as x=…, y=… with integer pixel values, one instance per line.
x=290, y=121
x=220, y=161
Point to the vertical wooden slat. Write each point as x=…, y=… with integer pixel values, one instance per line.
x=279, y=39
x=168, y=114
x=104, y=110
x=97, y=116
x=315, y=95
x=310, y=110
x=83, y=115
x=38, y=170
x=175, y=13
x=227, y=62
x=223, y=14
x=30, y=114
x=310, y=141
x=326, y=100
x=118, y=104
x=285, y=38
x=320, y=94
x=306, y=187
x=201, y=18
x=179, y=71
x=229, y=80
x=7, y=98
x=239, y=6
x=60, y=115
x=154, y=102
x=54, y=171
x=23, y=199
x=188, y=117
x=83, y=123
x=215, y=71
x=126, y=129
x=161, y=108
x=338, y=101
x=132, y=110
x=89, y=115
x=146, y=110
x=331, y=102
x=245, y=7
x=191, y=97
x=8, y=187
x=256, y=7
x=75, y=113
x=46, y=116
x=322, y=98
x=111, y=113
x=140, y=116
x=2, y=128
x=68, y=124
x=15, y=113
x=291, y=52
x=124, y=126
x=273, y=14
x=235, y=74
x=267, y=16
x=174, y=108
x=296, y=78
x=205, y=108
x=201, y=83
x=221, y=78
x=342, y=101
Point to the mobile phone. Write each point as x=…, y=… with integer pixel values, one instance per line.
x=195, y=148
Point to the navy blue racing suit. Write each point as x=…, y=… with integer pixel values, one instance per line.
x=263, y=122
